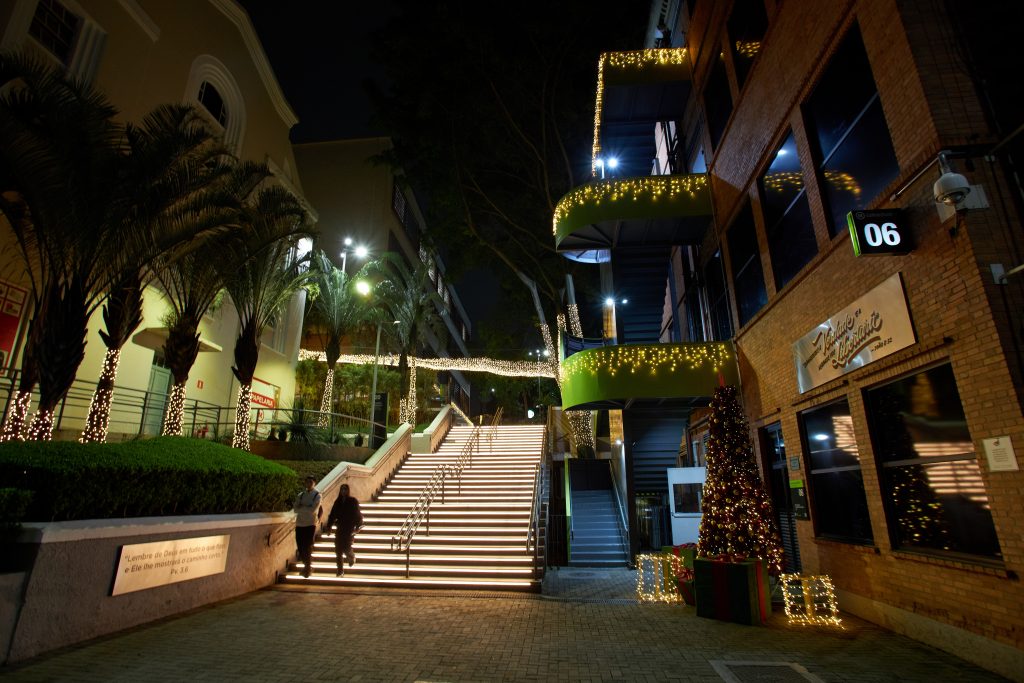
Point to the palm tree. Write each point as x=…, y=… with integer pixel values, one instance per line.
x=175, y=202
x=192, y=285
x=409, y=297
x=261, y=272
x=61, y=153
x=334, y=309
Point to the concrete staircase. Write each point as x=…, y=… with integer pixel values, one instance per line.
x=596, y=531
x=477, y=536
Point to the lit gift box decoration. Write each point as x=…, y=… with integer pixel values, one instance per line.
x=656, y=578
x=810, y=599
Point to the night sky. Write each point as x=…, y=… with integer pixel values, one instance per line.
x=320, y=54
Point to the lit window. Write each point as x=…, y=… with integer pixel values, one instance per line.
x=836, y=483
x=934, y=493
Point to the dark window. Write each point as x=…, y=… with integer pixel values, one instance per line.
x=837, y=486
x=745, y=259
x=718, y=299
x=773, y=449
x=787, y=215
x=747, y=25
x=56, y=28
x=687, y=498
x=934, y=493
x=845, y=120
x=210, y=98
x=398, y=202
x=717, y=102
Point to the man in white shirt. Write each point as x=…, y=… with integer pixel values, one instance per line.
x=307, y=508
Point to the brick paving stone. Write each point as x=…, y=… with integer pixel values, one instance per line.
x=585, y=626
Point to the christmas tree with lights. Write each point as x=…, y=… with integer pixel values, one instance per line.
x=737, y=522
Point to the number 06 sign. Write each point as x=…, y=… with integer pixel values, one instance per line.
x=875, y=233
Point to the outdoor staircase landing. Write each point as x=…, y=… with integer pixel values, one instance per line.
x=477, y=535
x=596, y=531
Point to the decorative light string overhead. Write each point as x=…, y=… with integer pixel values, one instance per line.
x=650, y=188
x=504, y=368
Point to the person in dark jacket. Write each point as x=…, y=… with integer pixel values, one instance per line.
x=350, y=520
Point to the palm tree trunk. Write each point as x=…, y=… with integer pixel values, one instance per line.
x=247, y=355
x=407, y=403
x=242, y=414
x=325, y=404
x=98, y=421
x=60, y=352
x=14, y=426
x=174, y=416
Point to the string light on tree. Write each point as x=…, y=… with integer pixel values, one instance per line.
x=325, y=404
x=98, y=421
x=240, y=439
x=737, y=521
x=41, y=428
x=175, y=411
x=14, y=427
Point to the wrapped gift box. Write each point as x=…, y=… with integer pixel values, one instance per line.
x=732, y=591
x=685, y=553
x=686, y=590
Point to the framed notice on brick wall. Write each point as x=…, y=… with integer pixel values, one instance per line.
x=872, y=327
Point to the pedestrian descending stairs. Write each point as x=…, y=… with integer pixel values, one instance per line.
x=477, y=535
x=596, y=531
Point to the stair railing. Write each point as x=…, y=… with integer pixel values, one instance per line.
x=534, y=536
x=622, y=516
x=420, y=512
x=465, y=458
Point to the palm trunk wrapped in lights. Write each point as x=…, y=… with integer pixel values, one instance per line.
x=41, y=428
x=14, y=426
x=407, y=404
x=98, y=420
x=325, y=405
x=242, y=415
x=175, y=413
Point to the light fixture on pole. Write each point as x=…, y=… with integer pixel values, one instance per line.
x=373, y=386
x=360, y=252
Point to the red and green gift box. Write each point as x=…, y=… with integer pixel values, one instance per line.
x=732, y=590
x=685, y=553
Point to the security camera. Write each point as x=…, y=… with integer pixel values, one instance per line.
x=951, y=189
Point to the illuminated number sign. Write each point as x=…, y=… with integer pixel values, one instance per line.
x=879, y=232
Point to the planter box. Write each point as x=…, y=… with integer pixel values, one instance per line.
x=732, y=591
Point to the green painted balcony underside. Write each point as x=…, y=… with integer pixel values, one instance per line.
x=646, y=371
x=621, y=200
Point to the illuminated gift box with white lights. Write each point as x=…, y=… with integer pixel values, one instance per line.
x=810, y=599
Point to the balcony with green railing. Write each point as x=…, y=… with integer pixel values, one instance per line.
x=617, y=212
x=611, y=376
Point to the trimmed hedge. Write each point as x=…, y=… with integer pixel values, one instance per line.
x=162, y=476
x=13, y=506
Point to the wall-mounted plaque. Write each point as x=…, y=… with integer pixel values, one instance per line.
x=148, y=565
x=880, y=232
x=798, y=499
x=872, y=327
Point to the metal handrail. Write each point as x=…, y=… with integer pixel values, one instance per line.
x=533, y=540
x=402, y=541
x=465, y=458
x=622, y=513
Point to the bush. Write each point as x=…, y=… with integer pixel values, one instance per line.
x=13, y=506
x=161, y=476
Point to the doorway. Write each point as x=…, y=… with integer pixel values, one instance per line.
x=156, y=397
x=774, y=448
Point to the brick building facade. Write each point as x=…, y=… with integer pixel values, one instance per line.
x=939, y=548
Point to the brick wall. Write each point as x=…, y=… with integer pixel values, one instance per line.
x=959, y=314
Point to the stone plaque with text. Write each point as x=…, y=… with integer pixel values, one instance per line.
x=148, y=565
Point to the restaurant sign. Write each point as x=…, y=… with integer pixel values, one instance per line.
x=872, y=327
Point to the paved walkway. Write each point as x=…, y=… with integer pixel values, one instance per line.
x=586, y=626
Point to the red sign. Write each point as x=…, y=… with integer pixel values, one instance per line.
x=12, y=303
x=199, y=384
x=261, y=400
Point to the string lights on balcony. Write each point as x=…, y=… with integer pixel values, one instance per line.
x=649, y=360
x=636, y=60
x=646, y=188
x=841, y=180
